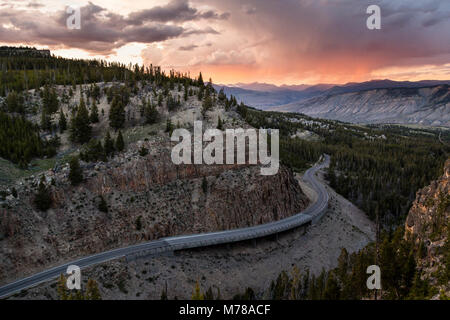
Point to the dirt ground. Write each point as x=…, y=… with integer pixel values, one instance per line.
x=232, y=268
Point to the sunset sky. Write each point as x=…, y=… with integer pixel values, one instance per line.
x=280, y=42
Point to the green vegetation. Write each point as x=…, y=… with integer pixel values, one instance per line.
x=24, y=72
x=117, y=114
x=103, y=206
x=43, y=199
x=377, y=168
x=20, y=140
x=80, y=128
x=62, y=122
x=204, y=185
x=400, y=279
x=93, y=151
x=23, y=142
x=92, y=291
x=120, y=144
x=75, y=174
x=143, y=151
x=93, y=117
x=109, y=145
x=138, y=223
x=152, y=115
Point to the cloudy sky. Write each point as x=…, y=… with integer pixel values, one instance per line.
x=282, y=41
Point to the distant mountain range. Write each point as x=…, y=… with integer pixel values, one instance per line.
x=378, y=101
x=406, y=105
x=264, y=95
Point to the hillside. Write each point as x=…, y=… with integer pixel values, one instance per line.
x=127, y=189
x=85, y=167
x=425, y=106
x=266, y=97
x=428, y=225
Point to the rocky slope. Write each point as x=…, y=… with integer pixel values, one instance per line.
x=426, y=106
x=428, y=224
x=148, y=197
x=231, y=268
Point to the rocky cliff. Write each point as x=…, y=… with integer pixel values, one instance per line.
x=428, y=225
x=147, y=197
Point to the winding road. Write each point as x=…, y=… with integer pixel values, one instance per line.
x=309, y=216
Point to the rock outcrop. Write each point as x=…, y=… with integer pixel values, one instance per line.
x=148, y=197
x=428, y=225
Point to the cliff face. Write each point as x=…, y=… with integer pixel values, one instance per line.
x=147, y=197
x=428, y=224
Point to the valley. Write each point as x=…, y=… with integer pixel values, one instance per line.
x=87, y=172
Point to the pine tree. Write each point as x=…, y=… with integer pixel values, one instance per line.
x=222, y=96
x=75, y=174
x=117, y=114
x=197, y=294
x=200, y=94
x=61, y=288
x=92, y=291
x=43, y=199
x=138, y=223
x=103, y=206
x=94, y=113
x=120, y=144
x=109, y=145
x=185, y=95
x=164, y=293
x=342, y=265
x=169, y=126
x=207, y=105
x=143, y=151
x=160, y=100
x=209, y=294
x=219, y=124
x=151, y=114
x=101, y=152
x=332, y=289
x=14, y=103
x=46, y=121
x=62, y=122
x=80, y=124
x=200, y=80
x=50, y=100
x=205, y=185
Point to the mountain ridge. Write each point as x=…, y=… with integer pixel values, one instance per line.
x=267, y=96
x=429, y=105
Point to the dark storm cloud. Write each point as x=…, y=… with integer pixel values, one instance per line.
x=149, y=34
x=188, y=48
x=174, y=11
x=308, y=35
x=101, y=31
x=207, y=30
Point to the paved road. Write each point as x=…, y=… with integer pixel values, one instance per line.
x=310, y=215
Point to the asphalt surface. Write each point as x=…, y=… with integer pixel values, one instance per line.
x=310, y=215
